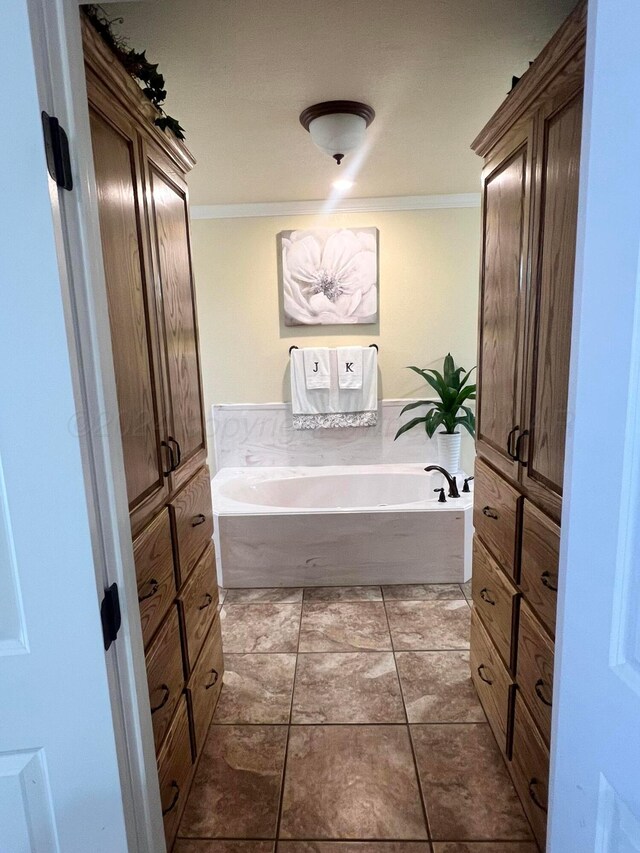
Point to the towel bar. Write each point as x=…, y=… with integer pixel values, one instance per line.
x=293, y=346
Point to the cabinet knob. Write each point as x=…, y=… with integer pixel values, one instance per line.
x=176, y=796
x=485, y=596
x=533, y=784
x=490, y=512
x=198, y=519
x=153, y=585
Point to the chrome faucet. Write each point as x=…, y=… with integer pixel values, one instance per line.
x=453, y=485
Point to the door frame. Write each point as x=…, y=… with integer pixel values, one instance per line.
x=59, y=66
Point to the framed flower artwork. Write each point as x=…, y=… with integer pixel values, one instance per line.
x=329, y=276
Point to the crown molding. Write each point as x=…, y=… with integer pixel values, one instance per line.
x=344, y=205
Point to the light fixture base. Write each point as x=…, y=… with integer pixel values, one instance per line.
x=326, y=108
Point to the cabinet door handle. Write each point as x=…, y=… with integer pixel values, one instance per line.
x=214, y=673
x=198, y=519
x=481, y=669
x=164, y=700
x=178, y=450
x=172, y=464
x=207, y=601
x=545, y=577
x=153, y=584
x=484, y=595
x=517, y=456
x=540, y=683
x=510, y=438
x=489, y=512
x=176, y=796
x=532, y=793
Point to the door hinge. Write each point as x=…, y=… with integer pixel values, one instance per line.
x=56, y=146
x=110, y=615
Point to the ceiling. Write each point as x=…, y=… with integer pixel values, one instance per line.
x=239, y=72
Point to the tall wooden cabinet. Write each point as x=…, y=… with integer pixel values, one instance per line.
x=143, y=206
x=531, y=151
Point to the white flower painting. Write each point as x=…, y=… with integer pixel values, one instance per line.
x=329, y=276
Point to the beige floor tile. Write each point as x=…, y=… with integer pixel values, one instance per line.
x=437, y=687
x=422, y=592
x=429, y=625
x=275, y=595
x=343, y=593
x=259, y=628
x=256, y=689
x=344, y=627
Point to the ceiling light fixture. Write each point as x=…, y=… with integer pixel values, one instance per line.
x=337, y=127
x=342, y=184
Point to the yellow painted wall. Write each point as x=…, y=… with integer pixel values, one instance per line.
x=428, y=295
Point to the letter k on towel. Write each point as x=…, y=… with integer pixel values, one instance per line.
x=349, y=367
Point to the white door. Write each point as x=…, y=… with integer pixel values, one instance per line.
x=595, y=790
x=60, y=788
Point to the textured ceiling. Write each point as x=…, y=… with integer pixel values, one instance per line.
x=239, y=72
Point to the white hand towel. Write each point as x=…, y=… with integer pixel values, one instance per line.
x=349, y=367
x=316, y=367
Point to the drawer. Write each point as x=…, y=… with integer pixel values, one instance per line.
x=198, y=603
x=539, y=563
x=175, y=768
x=153, y=556
x=492, y=681
x=205, y=684
x=494, y=597
x=165, y=675
x=193, y=521
x=495, y=514
x=535, y=669
x=530, y=770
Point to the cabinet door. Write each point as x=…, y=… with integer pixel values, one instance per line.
x=551, y=301
x=132, y=314
x=168, y=212
x=506, y=201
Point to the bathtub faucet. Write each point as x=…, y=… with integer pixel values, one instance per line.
x=453, y=485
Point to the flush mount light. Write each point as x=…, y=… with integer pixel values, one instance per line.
x=337, y=127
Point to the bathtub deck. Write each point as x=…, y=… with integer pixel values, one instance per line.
x=347, y=715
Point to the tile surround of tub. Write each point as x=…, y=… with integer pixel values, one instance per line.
x=261, y=434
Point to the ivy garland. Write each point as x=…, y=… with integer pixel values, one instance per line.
x=136, y=64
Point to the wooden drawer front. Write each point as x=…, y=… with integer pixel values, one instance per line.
x=205, y=684
x=495, y=512
x=199, y=602
x=492, y=681
x=175, y=766
x=530, y=770
x=494, y=598
x=165, y=675
x=535, y=669
x=153, y=555
x=539, y=563
x=193, y=521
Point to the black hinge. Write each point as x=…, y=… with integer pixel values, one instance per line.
x=110, y=615
x=56, y=146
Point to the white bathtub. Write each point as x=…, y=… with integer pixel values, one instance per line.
x=359, y=524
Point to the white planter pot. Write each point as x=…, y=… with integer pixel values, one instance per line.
x=449, y=451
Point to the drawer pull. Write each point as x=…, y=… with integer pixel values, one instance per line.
x=178, y=450
x=176, y=796
x=489, y=512
x=540, y=683
x=486, y=680
x=213, y=672
x=164, y=700
x=207, y=601
x=532, y=793
x=484, y=595
x=545, y=577
x=199, y=519
x=172, y=461
x=153, y=583
x=518, y=457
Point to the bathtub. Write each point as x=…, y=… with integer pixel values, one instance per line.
x=342, y=525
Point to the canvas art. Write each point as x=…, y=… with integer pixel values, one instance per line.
x=329, y=276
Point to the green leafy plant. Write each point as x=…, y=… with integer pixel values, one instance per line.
x=454, y=390
x=136, y=64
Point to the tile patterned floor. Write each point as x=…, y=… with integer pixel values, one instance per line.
x=347, y=723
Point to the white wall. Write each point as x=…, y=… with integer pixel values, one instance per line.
x=428, y=301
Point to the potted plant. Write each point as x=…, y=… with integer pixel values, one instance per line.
x=449, y=412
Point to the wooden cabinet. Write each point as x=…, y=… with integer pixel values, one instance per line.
x=531, y=151
x=143, y=206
